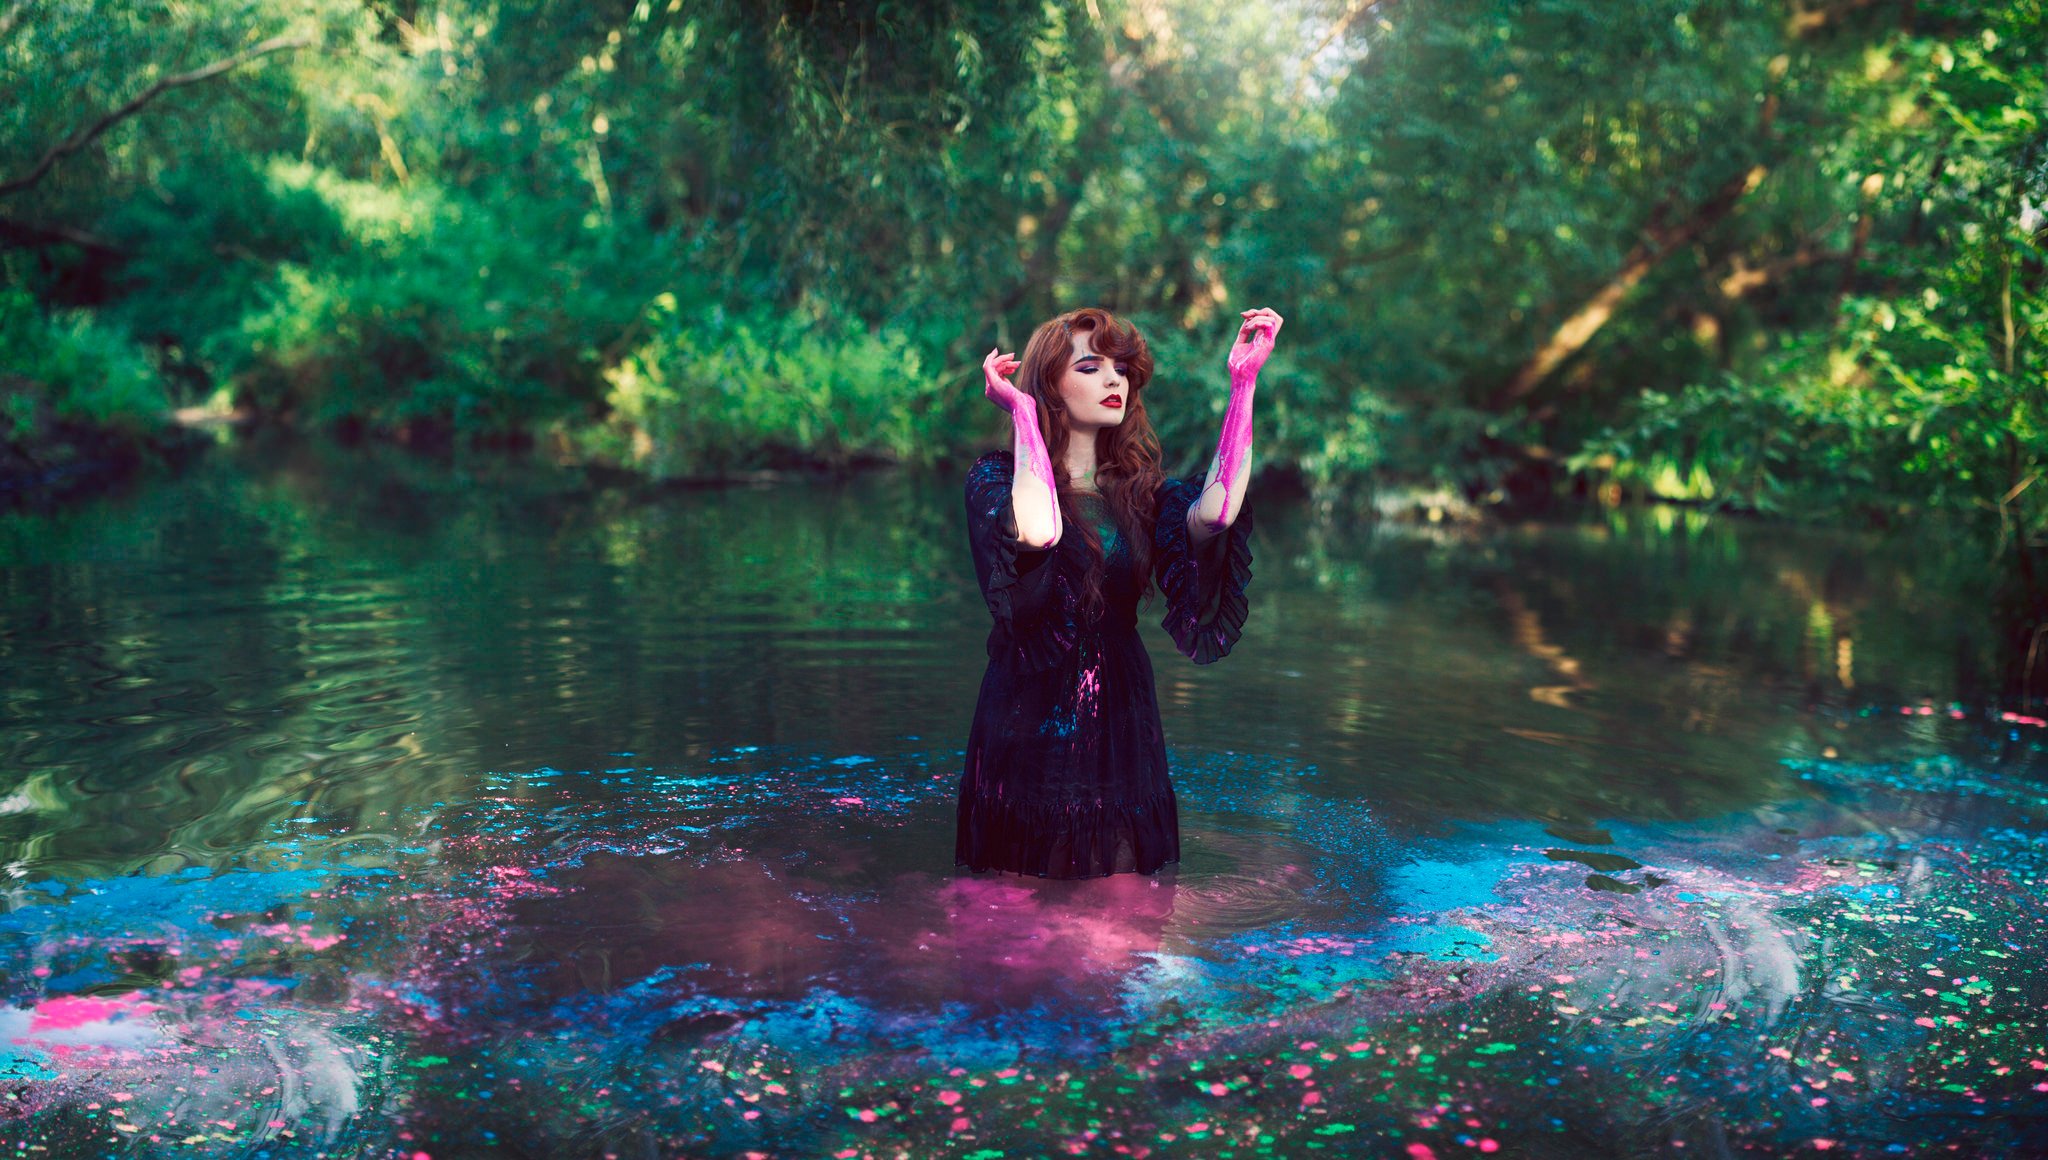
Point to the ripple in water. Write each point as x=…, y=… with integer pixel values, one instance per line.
x=1237, y=882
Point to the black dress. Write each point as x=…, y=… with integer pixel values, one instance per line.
x=1066, y=774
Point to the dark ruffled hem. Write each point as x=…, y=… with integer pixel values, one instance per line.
x=1205, y=631
x=1072, y=840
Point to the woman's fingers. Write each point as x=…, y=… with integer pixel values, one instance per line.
x=1260, y=318
x=997, y=365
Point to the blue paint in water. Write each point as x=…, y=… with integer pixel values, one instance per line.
x=185, y=900
x=1476, y=860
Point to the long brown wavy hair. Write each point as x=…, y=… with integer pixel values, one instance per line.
x=1126, y=455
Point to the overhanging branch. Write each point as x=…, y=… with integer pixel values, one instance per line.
x=85, y=136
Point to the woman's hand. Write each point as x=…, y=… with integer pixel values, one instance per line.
x=1254, y=342
x=996, y=369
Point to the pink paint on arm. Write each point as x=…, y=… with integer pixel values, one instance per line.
x=1247, y=356
x=1031, y=455
x=1235, y=443
x=1028, y=444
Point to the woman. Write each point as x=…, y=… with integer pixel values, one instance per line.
x=1066, y=766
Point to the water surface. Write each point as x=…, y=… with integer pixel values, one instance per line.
x=358, y=805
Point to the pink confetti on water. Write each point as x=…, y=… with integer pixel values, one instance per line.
x=1489, y=1145
x=1301, y=1071
x=1421, y=1152
x=949, y=1098
x=848, y=801
x=960, y=1124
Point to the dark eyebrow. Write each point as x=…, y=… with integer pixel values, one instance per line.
x=1090, y=355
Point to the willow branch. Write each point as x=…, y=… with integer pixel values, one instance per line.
x=85, y=136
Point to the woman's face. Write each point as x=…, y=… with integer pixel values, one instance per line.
x=1094, y=387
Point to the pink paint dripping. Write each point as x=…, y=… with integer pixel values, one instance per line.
x=1235, y=443
x=1255, y=340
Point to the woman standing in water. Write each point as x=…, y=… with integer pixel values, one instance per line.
x=1066, y=764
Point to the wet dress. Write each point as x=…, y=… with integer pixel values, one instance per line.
x=1065, y=773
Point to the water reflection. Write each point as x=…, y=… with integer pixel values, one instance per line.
x=479, y=811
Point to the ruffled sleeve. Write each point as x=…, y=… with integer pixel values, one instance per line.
x=1031, y=602
x=1204, y=586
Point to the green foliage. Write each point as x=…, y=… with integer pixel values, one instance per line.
x=705, y=393
x=434, y=307
x=89, y=371
x=1928, y=390
x=1787, y=263
x=1776, y=444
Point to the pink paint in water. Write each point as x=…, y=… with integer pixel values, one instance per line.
x=70, y=1012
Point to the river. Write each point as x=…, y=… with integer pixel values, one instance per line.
x=355, y=804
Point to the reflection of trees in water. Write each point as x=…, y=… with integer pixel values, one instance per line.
x=292, y=630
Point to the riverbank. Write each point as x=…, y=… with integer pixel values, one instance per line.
x=46, y=458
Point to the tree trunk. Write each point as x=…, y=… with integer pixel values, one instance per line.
x=1571, y=337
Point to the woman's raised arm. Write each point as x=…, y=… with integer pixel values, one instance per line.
x=1230, y=471
x=1034, y=498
